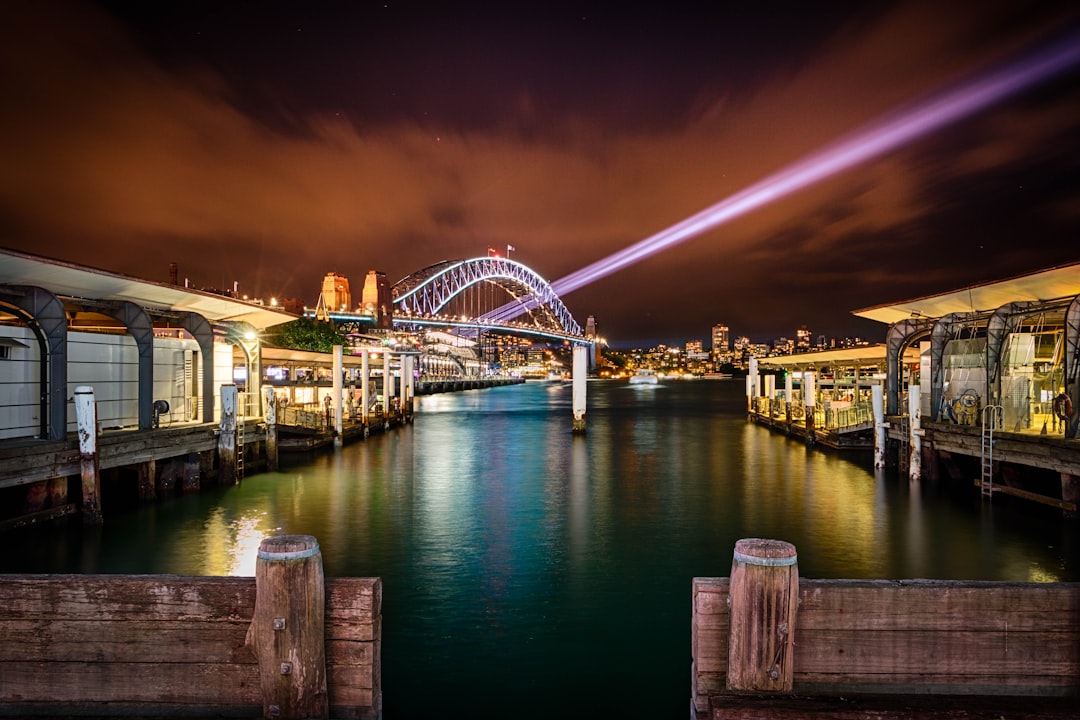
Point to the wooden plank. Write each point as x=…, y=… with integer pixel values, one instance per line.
x=172, y=683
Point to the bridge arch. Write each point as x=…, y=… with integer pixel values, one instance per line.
x=427, y=292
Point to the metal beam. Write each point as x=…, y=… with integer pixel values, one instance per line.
x=45, y=315
x=200, y=329
x=899, y=337
x=1072, y=365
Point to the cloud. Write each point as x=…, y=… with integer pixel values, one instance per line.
x=115, y=161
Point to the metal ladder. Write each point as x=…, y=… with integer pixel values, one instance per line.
x=986, y=482
x=904, y=459
x=239, y=447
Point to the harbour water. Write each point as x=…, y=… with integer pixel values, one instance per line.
x=530, y=573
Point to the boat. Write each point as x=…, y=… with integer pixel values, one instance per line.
x=717, y=376
x=644, y=377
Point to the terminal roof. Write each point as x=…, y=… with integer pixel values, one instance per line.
x=862, y=355
x=77, y=281
x=1052, y=284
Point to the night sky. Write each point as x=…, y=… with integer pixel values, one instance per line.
x=268, y=143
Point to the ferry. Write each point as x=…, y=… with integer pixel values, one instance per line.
x=644, y=377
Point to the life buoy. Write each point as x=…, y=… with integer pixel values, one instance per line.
x=1063, y=406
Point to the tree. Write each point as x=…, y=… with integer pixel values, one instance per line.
x=306, y=334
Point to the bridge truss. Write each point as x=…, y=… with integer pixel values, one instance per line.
x=490, y=290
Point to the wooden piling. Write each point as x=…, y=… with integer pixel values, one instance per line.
x=86, y=419
x=764, y=598
x=271, y=429
x=287, y=633
x=227, y=436
x=578, y=381
x=147, y=472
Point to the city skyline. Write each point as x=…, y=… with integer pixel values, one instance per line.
x=268, y=144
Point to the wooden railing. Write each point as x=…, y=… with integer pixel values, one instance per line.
x=946, y=638
x=171, y=645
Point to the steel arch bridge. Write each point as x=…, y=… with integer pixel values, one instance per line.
x=492, y=291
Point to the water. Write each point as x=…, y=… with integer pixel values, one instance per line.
x=531, y=573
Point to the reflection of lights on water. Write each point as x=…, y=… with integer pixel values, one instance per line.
x=231, y=546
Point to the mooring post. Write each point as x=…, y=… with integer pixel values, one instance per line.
x=287, y=632
x=338, y=386
x=764, y=597
x=227, y=435
x=365, y=387
x=788, y=395
x=270, y=403
x=147, y=472
x=579, y=372
x=877, y=401
x=915, y=424
x=87, y=423
x=809, y=400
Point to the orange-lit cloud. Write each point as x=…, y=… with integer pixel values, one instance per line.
x=118, y=161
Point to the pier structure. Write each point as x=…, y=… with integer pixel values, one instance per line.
x=980, y=385
x=823, y=398
x=173, y=380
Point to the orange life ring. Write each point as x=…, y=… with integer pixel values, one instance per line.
x=1063, y=406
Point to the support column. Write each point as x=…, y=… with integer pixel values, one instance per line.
x=147, y=480
x=338, y=369
x=387, y=383
x=877, y=401
x=764, y=597
x=1070, y=491
x=809, y=401
x=579, y=382
x=915, y=425
x=87, y=421
x=789, y=393
x=270, y=405
x=227, y=435
x=365, y=386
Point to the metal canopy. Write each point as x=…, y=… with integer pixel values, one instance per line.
x=1051, y=284
x=845, y=357
x=78, y=281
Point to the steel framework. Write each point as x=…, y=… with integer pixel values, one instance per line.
x=427, y=291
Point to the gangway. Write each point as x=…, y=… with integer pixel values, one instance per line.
x=994, y=413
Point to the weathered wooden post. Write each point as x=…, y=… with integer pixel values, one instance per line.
x=809, y=400
x=915, y=424
x=147, y=473
x=788, y=395
x=877, y=400
x=338, y=387
x=764, y=596
x=580, y=378
x=227, y=436
x=365, y=387
x=287, y=632
x=87, y=423
x=271, y=428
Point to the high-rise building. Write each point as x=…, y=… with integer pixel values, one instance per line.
x=721, y=339
x=376, y=300
x=336, y=296
x=802, y=340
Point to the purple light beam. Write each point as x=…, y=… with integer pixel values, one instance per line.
x=865, y=144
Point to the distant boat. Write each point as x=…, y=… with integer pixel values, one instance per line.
x=717, y=376
x=644, y=377
x=554, y=377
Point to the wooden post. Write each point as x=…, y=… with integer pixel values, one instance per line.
x=147, y=480
x=227, y=436
x=764, y=596
x=338, y=387
x=287, y=632
x=365, y=387
x=1070, y=491
x=877, y=400
x=915, y=425
x=271, y=429
x=86, y=419
x=579, y=381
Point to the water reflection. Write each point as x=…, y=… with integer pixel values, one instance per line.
x=517, y=557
